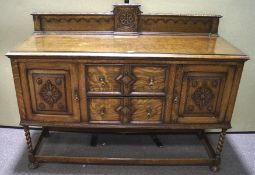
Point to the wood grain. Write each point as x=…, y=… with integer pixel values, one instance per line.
x=203, y=94
x=192, y=45
x=105, y=110
x=38, y=108
x=127, y=72
x=18, y=89
x=147, y=110
x=104, y=79
x=149, y=79
x=127, y=19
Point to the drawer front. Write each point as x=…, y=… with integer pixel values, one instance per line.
x=104, y=79
x=149, y=80
x=201, y=93
x=105, y=110
x=51, y=92
x=146, y=110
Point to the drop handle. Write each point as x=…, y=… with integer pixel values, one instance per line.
x=175, y=98
x=102, y=80
x=102, y=111
x=151, y=81
x=149, y=112
x=76, y=95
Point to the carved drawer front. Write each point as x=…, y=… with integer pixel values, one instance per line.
x=149, y=80
x=51, y=92
x=105, y=110
x=146, y=110
x=201, y=93
x=104, y=79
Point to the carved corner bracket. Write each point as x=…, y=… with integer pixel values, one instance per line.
x=126, y=18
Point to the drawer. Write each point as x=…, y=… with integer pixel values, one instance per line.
x=147, y=110
x=149, y=79
x=104, y=79
x=105, y=110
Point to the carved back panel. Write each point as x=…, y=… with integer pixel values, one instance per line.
x=126, y=18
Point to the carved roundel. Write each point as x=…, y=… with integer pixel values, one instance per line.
x=127, y=18
x=50, y=93
x=202, y=97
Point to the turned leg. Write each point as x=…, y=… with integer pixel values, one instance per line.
x=215, y=165
x=32, y=162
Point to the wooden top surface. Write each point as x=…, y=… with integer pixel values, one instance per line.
x=142, y=45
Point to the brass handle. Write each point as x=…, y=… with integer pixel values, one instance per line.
x=102, y=111
x=175, y=98
x=102, y=80
x=76, y=95
x=151, y=81
x=149, y=112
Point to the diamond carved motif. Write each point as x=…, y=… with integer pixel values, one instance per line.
x=127, y=79
x=202, y=97
x=50, y=93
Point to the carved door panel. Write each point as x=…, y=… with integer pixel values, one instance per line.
x=201, y=93
x=51, y=92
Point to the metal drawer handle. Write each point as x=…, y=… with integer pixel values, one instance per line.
x=102, y=111
x=76, y=95
x=101, y=79
x=149, y=112
x=151, y=81
x=175, y=97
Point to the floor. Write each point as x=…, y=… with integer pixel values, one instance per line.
x=238, y=157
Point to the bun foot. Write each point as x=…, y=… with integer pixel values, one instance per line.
x=33, y=165
x=215, y=168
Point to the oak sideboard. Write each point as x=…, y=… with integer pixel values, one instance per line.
x=127, y=71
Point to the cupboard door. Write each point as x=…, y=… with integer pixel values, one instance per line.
x=201, y=93
x=51, y=92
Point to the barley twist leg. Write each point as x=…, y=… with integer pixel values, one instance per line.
x=220, y=142
x=32, y=162
x=215, y=165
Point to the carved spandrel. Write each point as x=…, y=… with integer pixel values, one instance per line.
x=50, y=92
